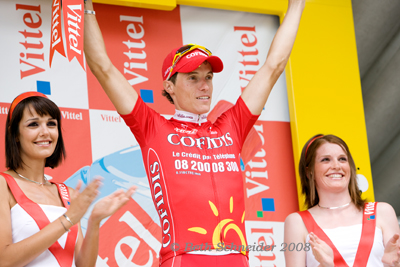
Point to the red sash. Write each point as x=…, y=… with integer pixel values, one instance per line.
x=366, y=241
x=64, y=256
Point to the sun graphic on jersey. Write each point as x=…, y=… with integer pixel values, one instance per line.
x=226, y=224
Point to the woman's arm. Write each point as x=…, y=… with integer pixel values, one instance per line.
x=295, y=232
x=23, y=252
x=387, y=221
x=88, y=248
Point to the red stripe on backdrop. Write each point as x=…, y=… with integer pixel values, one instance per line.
x=77, y=141
x=270, y=176
x=137, y=41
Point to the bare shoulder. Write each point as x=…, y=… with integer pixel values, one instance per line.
x=385, y=216
x=386, y=220
x=2, y=179
x=5, y=214
x=293, y=218
x=295, y=232
x=294, y=227
x=295, y=221
x=3, y=184
x=384, y=209
x=4, y=191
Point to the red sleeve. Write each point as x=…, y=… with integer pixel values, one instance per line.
x=143, y=122
x=240, y=118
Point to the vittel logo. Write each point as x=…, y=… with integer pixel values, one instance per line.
x=32, y=53
x=196, y=53
x=201, y=142
x=64, y=191
x=369, y=209
x=135, y=67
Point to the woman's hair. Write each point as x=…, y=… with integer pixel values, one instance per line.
x=42, y=106
x=307, y=164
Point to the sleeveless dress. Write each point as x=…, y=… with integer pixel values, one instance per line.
x=346, y=240
x=24, y=225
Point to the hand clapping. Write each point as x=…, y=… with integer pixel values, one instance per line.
x=110, y=204
x=322, y=252
x=80, y=201
x=391, y=256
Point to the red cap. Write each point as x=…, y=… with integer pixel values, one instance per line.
x=189, y=62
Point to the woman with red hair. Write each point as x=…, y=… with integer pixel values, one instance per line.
x=340, y=227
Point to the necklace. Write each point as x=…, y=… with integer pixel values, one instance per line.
x=333, y=208
x=45, y=179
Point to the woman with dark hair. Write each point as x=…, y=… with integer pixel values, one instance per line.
x=339, y=228
x=39, y=222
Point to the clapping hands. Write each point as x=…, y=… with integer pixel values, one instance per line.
x=80, y=201
x=322, y=252
x=110, y=204
x=391, y=256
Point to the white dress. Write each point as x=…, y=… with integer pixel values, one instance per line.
x=346, y=240
x=24, y=226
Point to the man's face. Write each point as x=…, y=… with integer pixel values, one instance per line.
x=192, y=91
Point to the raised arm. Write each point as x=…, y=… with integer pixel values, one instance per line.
x=257, y=91
x=120, y=92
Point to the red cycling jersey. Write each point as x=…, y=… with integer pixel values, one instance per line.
x=194, y=176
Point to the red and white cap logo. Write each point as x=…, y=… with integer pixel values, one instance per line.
x=189, y=62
